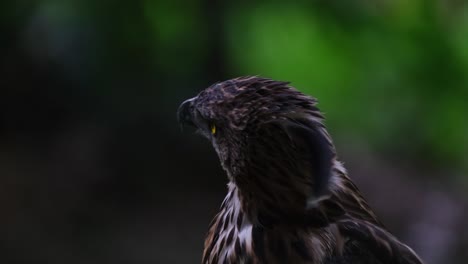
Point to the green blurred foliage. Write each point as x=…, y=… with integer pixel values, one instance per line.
x=396, y=77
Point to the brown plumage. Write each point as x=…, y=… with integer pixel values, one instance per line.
x=289, y=199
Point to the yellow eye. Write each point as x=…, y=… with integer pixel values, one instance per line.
x=213, y=129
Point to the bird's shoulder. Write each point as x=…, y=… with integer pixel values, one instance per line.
x=366, y=242
x=361, y=237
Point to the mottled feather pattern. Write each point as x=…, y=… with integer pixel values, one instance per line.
x=289, y=199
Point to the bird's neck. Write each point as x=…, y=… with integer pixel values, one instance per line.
x=269, y=199
x=232, y=207
x=230, y=231
x=234, y=238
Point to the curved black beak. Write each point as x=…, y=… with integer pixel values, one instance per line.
x=185, y=113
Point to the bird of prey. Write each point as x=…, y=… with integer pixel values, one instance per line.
x=289, y=199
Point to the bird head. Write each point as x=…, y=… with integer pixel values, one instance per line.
x=266, y=133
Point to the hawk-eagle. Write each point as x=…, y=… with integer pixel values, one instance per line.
x=289, y=199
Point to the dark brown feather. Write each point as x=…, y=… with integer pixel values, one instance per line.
x=289, y=200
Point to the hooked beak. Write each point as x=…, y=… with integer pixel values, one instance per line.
x=185, y=113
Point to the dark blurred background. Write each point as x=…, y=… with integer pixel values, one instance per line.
x=94, y=168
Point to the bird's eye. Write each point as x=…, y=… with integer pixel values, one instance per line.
x=213, y=128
